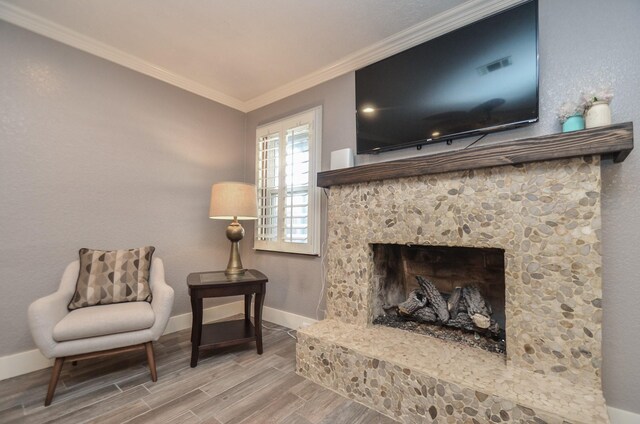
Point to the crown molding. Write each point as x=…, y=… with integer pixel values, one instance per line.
x=47, y=28
x=442, y=23
x=433, y=27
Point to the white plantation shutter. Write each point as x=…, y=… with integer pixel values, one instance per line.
x=296, y=222
x=288, y=155
x=267, y=184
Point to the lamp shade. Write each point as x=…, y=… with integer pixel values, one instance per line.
x=231, y=199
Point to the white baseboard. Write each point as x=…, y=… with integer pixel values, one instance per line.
x=33, y=360
x=180, y=322
x=22, y=363
x=620, y=416
x=276, y=316
x=286, y=319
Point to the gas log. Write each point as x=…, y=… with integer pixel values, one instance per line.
x=453, y=303
x=415, y=301
x=465, y=308
x=435, y=299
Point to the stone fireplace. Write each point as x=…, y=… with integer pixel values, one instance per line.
x=529, y=234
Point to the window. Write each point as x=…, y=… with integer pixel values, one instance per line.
x=287, y=157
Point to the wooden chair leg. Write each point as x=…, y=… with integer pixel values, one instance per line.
x=53, y=382
x=151, y=360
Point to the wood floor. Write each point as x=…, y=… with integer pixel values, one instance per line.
x=235, y=385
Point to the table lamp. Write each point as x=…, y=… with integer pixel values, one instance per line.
x=231, y=200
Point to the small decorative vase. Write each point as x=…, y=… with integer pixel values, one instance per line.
x=598, y=114
x=573, y=123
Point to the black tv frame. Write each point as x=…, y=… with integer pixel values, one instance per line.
x=448, y=138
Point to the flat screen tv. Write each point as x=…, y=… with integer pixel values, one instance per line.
x=478, y=79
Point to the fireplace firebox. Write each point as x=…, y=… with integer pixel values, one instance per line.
x=451, y=292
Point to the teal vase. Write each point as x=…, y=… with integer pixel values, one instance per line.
x=573, y=123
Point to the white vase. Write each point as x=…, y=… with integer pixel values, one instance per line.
x=597, y=115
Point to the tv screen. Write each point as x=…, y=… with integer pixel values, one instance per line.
x=477, y=79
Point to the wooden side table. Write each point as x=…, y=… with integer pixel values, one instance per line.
x=226, y=333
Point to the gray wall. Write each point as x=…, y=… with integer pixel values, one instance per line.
x=295, y=281
x=95, y=155
x=582, y=44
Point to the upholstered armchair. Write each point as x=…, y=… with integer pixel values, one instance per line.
x=98, y=330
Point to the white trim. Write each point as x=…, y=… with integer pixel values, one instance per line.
x=286, y=319
x=620, y=416
x=47, y=28
x=22, y=363
x=180, y=322
x=313, y=118
x=442, y=23
x=33, y=360
x=433, y=27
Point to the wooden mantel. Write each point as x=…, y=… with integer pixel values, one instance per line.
x=614, y=140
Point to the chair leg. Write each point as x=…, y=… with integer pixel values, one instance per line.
x=151, y=360
x=53, y=382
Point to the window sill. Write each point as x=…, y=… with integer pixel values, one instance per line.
x=316, y=255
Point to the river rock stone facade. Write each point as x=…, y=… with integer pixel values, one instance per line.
x=546, y=217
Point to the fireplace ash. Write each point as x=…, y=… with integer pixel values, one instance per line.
x=444, y=333
x=463, y=316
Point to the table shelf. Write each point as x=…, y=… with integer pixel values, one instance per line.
x=227, y=333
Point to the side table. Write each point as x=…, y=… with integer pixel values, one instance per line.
x=227, y=333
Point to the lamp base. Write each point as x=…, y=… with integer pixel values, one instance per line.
x=235, y=233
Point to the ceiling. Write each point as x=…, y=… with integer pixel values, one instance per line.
x=244, y=53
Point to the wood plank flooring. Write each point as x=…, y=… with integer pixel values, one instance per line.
x=229, y=386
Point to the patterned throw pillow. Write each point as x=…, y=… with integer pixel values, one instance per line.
x=112, y=276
